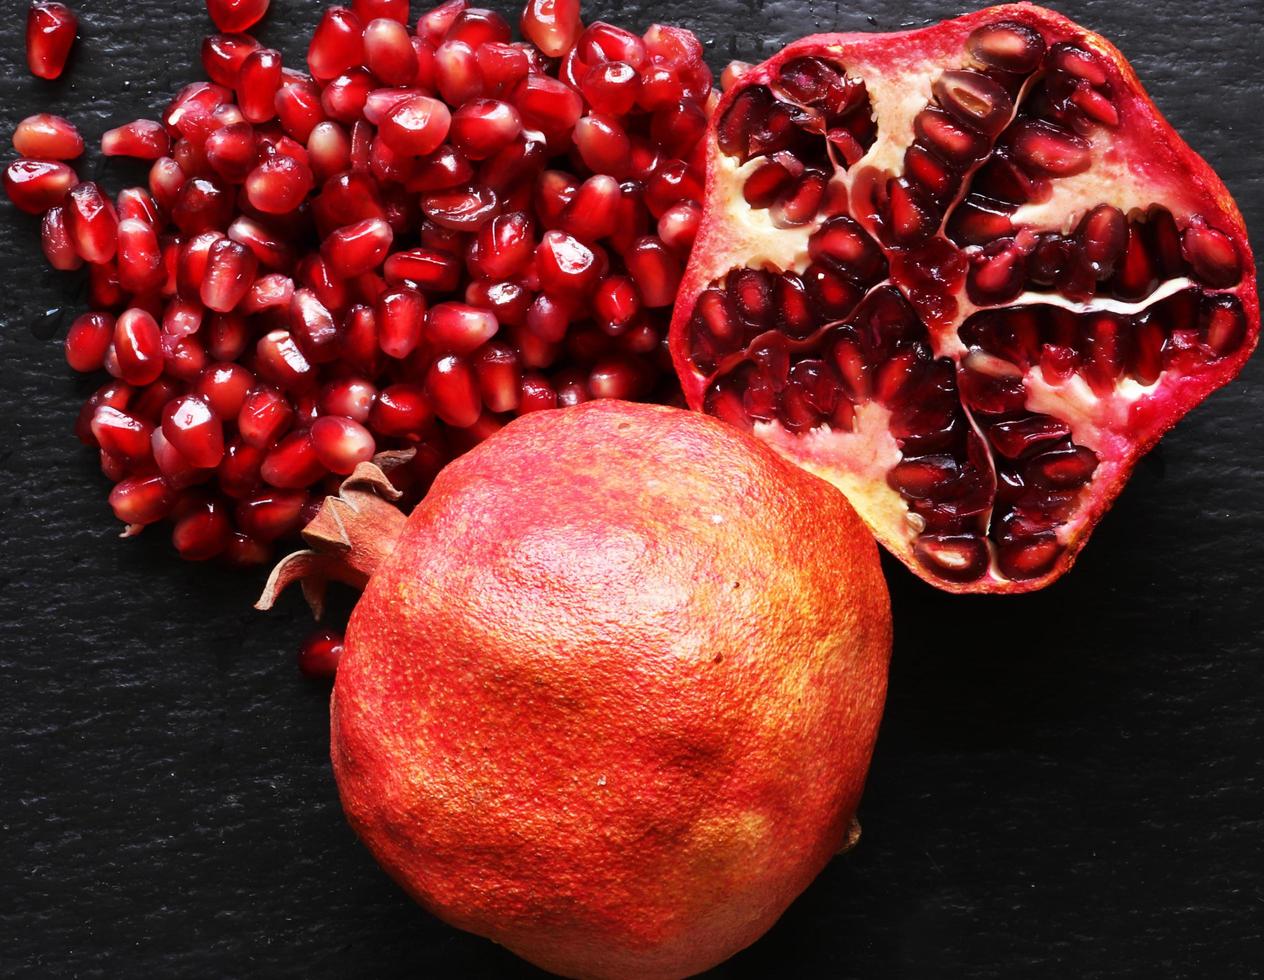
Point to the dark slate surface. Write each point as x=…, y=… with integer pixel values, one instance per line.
x=1067, y=784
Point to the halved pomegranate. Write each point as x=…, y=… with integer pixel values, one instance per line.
x=968, y=274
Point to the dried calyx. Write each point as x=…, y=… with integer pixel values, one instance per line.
x=351, y=533
x=968, y=274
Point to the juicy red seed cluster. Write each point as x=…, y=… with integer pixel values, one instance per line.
x=426, y=233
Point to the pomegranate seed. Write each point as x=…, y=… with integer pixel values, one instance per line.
x=223, y=55
x=257, y=84
x=416, y=125
x=92, y=223
x=203, y=533
x=357, y=248
x=499, y=372
x=616, y=302
x=553, y=26
x=426, y=268
x=264, y=417
x=279, y=360
x=141, y=500
x=678, y=226
x=341, y=443
x=225, y=387
x=547, y=104
x=400, y=410
x=166, y=180
x=451, y=388
x=593, y=212
x=548, y=319
x=34, y=186
x=202, y=204
x=566, y=266
x=230, y=272
x=243, y=551
x=368, y=10
x=271, y=514
x=503, y=247
x=233, y=16
x=298, y=107
x=603, y=145
x=462, y=208
x=483, y=127
x=143, y=139
x=611, y=87
x=138, y=347
x=459, y=329
x=293, y=464
x=655, y=270
x=140, y=265
x=319, y=655
x=192, y=427
x=337, y=45
x=328, y=150
x=536, y=394
x=345, y=97
x=87, y=340
x=47, y=137
x=388, y=51
x=502, y=66
x=50, y=34
x=399, y=315
x=56, y=243
x=121, y=435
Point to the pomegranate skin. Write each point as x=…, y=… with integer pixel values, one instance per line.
x=611, y=699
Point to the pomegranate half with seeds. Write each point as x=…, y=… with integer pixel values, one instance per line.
x=969, y=275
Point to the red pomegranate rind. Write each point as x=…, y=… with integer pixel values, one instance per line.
x=1015, y=278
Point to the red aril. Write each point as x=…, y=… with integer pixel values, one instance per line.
x=143, y=139
x=138, y=347
x=356, y=248
x=293, y=463
x=341, y=443
x=319, y=655
x=337, y=44
x=141, y=499
x=192, y=427
x=87, y=341
x=50, y=34
x=973, y=314
x=415, y=125
x=234, y=16
x=34, y=186
x=47, y=137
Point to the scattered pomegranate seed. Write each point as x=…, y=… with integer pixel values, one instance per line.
x=234, y=16
x=34, y=186
x=50, y=34
x=143, y=139
x=319, y=655
x=47, y=137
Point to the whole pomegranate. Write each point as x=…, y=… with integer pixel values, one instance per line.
x=610, y=694
x=968, y=274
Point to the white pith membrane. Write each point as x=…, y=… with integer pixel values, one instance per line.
x=1108, y=417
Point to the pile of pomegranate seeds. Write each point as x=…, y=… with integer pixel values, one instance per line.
x=431, y=232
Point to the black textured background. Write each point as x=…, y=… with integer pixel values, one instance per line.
x=1067, y=784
